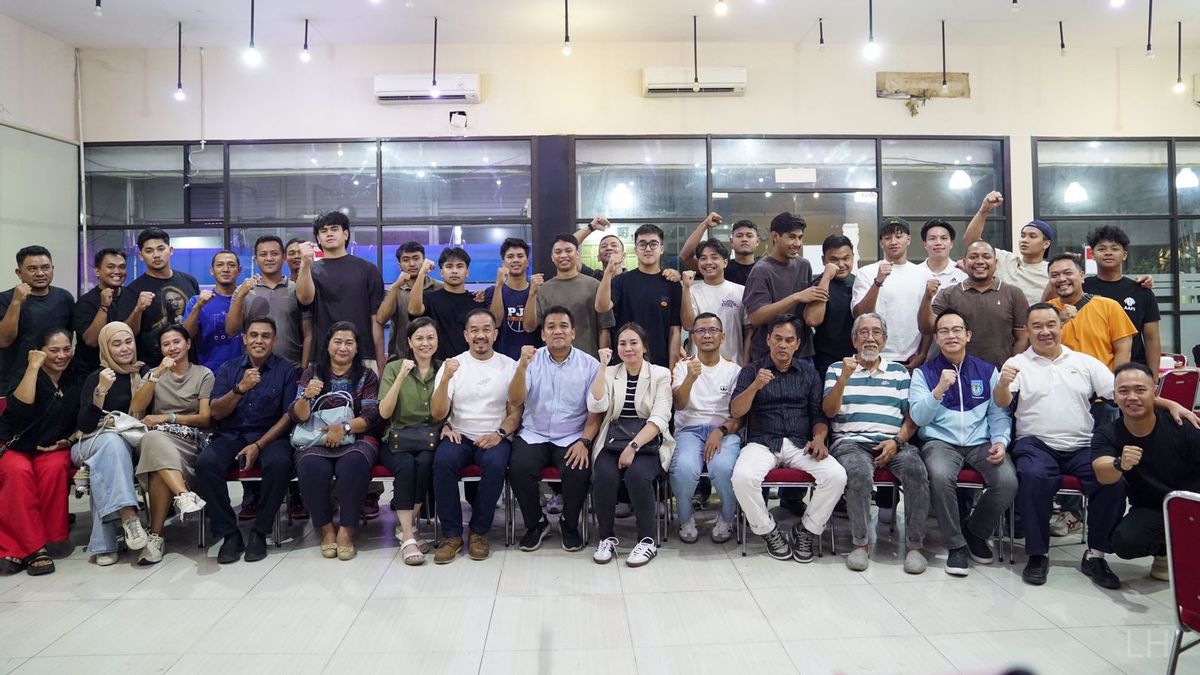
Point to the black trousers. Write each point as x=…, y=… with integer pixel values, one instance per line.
x=639, y=478
x=413, y=473
x=524, y=471
x=219, y=458
x=316, y=475
x=1140, y=533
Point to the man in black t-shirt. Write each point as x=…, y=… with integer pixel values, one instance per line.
x=644, y=297
x=27, y=310
x=833, y=316
x=449, y=305
x=1110, y=248
x=743, y=243
x=98, y=307
x=159, y=296
x=1153, y=455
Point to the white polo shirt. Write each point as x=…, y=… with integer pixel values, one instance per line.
x=949, y=276
x=708, y=402
x=478, y=393
x=1056, y=397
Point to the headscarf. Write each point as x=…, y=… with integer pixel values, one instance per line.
x=133, y=370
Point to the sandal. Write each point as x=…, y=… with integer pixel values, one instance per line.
x=329, y=550
x=9, y=566
x=39, y=563
x=414, y=558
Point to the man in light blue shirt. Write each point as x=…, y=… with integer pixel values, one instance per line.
x=556, y=428
x=950, y=400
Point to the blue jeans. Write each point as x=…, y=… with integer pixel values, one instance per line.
x=448, y=460
x=687, y=463
x=110, y=466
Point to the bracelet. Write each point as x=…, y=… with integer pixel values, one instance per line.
x=257, y=446
x=103, y=307
x=878, y=283
x=99, y=392
x=237, y=391
x=152, y=378
x=173, y=418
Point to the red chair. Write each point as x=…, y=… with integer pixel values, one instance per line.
x=882, y=478
x=1068, y=485
x=1182, y=512
x=236, y=476
x=971, y=479
x=550, y=474
x=778, y=478
x=1180, y=386
x=472, y=473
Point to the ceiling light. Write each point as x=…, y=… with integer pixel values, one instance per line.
x=695, y=57
x=1015, y=6
x=98, y=11
x=1179, y=86
x=305, y=57
x=621, y=198
x=893, y=183
x=945, y=87
x=821, y=32
x=959, y=180
x=251, y=55
x=870, y=50
x=434, y=92
x=1149, y=28
x=1187, y=179
x=767, y=195
x=566, y=48
x=721, y=8
x=1093, y=144
x=179, y=95
x=1075, y=193
x=1062, y=42
x=1116, y=4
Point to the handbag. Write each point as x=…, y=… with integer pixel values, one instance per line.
x=415, y=438
x=312, y=431
x=125, y=425
x=622, y=430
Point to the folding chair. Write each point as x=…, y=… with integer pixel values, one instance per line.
x=1180, y=386
x=236, y=476
x=1182, y=512
x=779, y=478
x=473, y=473
x=1068, y=485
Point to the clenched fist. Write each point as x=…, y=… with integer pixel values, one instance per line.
x=106, y=297
x=167, y=364
x=527, y=354
x=671, y=275
x=931, y=287
x=451, y=366
x=763, y=378
x=36, y=358
x=947, y=380
x=849, y=365
x=693, y=367
x=830, y=271
x=1007, y=374
x=536, y=281
x=105, y=380
x=145, y=299
x=501, y=275
x=313, y=388
x=308, y=251
x=204, y=298
x=688, y=277
x=713, y=220
x=406, y=367
x=1131, y=456
x=604, y=354
x=885, y=268
x=21, y=293
x=250, y=379
x=991, y=201
x=600, y=223
x=427, y=267
x=249, y=284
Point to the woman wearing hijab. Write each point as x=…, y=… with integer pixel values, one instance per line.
x=106, y=455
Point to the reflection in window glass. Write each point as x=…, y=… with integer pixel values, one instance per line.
x=296, y=182
x=676, y=234
x=641, y=178
x=925, y=178
x=793, y=163
x=457, y=179
x=1187, y=177
x=134, y=185
x=850, y=213
x=1189, y=269
x=482, y=243
x=241, y=241
x=194, y=249
x=206, y=183
x=1102, y=178
x=1166, y=334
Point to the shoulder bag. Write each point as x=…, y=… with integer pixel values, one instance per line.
x=312, y=431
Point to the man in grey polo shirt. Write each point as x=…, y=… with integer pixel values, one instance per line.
x=574, y=290
x=394, y=308
x=270, y=293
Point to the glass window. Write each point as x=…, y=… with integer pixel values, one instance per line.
x=926, y=178
x=676, y=234
x=641, y=178
x=296, y=182
x=194, y=249
x=482, y=243
x=1149, y=249
x=206, y=183
x=457, y=179
x=1102, y=178
x=1189, y=268
x=853, y=214
x=1187, y=177
x=241, y=241
x=995, y=232
x=1166, y=333
x=794, y=163
x=134, y=185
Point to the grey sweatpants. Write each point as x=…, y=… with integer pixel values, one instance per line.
x=858, y=458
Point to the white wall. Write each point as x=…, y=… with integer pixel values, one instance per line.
x=531, y=89
x=37, y=81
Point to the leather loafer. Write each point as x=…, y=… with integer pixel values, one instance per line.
x=231, y=549
x=1036, y=570
x=256, y=546
x=1099, y=572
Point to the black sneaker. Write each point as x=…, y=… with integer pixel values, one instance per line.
x=1099, y=572
x=796, y=507
x=958, y=562
x=571, y=540
x=777, y=545
x=1035, y=570
x=256, y=546
x=978, y=547
x=231, y=549
x=532, y=540
x=803, y=544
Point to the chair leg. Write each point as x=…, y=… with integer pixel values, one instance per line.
x=1083, y=530
x=278, y=529
x=1175, y=651
x=202, y=534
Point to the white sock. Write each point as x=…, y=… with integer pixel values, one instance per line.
x=1093, y=553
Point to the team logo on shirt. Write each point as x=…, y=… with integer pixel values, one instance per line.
x=977, y=388
x=664, y=302
x=1130, y=304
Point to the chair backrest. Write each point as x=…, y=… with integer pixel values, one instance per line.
x=1180, y=386
x=1182, y=512
x=1196, y=354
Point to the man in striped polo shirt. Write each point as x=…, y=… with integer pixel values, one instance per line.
x=866, y=398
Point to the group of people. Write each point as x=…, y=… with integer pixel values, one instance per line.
x=624, y=381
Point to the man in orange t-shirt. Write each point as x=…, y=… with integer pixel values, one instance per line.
x=1094, y=325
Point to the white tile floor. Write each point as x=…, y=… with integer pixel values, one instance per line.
x=698, y=608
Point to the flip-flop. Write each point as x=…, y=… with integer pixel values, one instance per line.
x=9, y=566
x=33, y=569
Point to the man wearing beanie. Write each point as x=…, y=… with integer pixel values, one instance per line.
x=1027, y=269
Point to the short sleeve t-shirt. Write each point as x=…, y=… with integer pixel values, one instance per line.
x=478, y=393
x=653, y=303
x=1139, y=305
x=951, y=275
x=512, y=335
x=348, y=289
x=87, y=358
x=1094, y=329
x=182, y=395
x=771, y=281
x=738, y=272
x=281, y=305
x=169, y=307
x=449, y=311
x=898, y=302
x=577, y=294
x=992, y=315
x=39, y=313
x=213, y=346
x=1170, y=458
x=708, y=403
x=831, y=339
x=1011, y=268
x=724, y=300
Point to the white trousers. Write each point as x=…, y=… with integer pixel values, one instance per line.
x=754, y=463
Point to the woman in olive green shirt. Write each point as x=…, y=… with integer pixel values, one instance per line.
x=412, y=435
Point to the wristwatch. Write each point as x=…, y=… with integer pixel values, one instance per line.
x=1117, y=464
x=899, y=441
x=634, y=445
x=587, y=443
x=501, y=432
x=721, y=428
x=878, y=283
x=346, y=427
x=238, y=391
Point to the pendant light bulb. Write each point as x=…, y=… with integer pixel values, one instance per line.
x=1116, y=4
x=1179, y=87
x=179, y=95
x=251, y=57
x=1015, y=7
x=566, y=48
x=434, y=92
x=305, y=56
x=721, y=8
x=98, y=11
x=871, y=50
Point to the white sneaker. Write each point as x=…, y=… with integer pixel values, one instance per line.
x=1065, y=523
x=153, y=553
x=135, y=534
x=688, y=532
x=106, y=559
x=188, y=502
x=605, y=551
x=555, y=505
x=722, y=531
x=643, y=553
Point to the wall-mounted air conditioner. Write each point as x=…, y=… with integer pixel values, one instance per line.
x=452, y=88
x=723, y=81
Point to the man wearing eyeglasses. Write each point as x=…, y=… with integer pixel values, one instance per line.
x=996, y=309
x=950, y=401
x=644, y=296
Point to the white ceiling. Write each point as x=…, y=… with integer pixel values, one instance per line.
x=225, y=23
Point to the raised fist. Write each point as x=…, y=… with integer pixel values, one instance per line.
x=406, y=367
x=991, y=201
x=600, y=223
x=313, y=388
x=713, y=220
x=106, y=297
x=145, y=299
x=204, y=298
x=604, y=354
x=308, y=251
x=536, y=281
x=885, y=268
x=932, y=286
x=527, y=354
x=501, y=275
x=1008, y=373
x=106, y=378
x=849, y=365
x=671, y=275
x=948, y=378
x=250, y=379
x=36, y=358
x=249, y=284
x=688, y=277
x=1131, y=456
x=451, y=366
x=693, y=367
x=763, y=378
x=21, y=293
x=428, y=266
x=830, y=271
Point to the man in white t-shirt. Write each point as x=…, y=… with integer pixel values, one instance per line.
x=893, y=288
x=1027, y=269
x=937, y=238
x=716, y=295
x=705, y=433
x=471, y=394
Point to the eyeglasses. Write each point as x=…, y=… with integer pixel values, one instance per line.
x=650, y=245
x=706, y=331
x=952, y=330
x=869, y=332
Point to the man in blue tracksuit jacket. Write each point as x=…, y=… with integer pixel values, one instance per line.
x=950, y=399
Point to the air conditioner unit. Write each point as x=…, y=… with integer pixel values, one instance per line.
x=452, y=88
x=724, y=81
